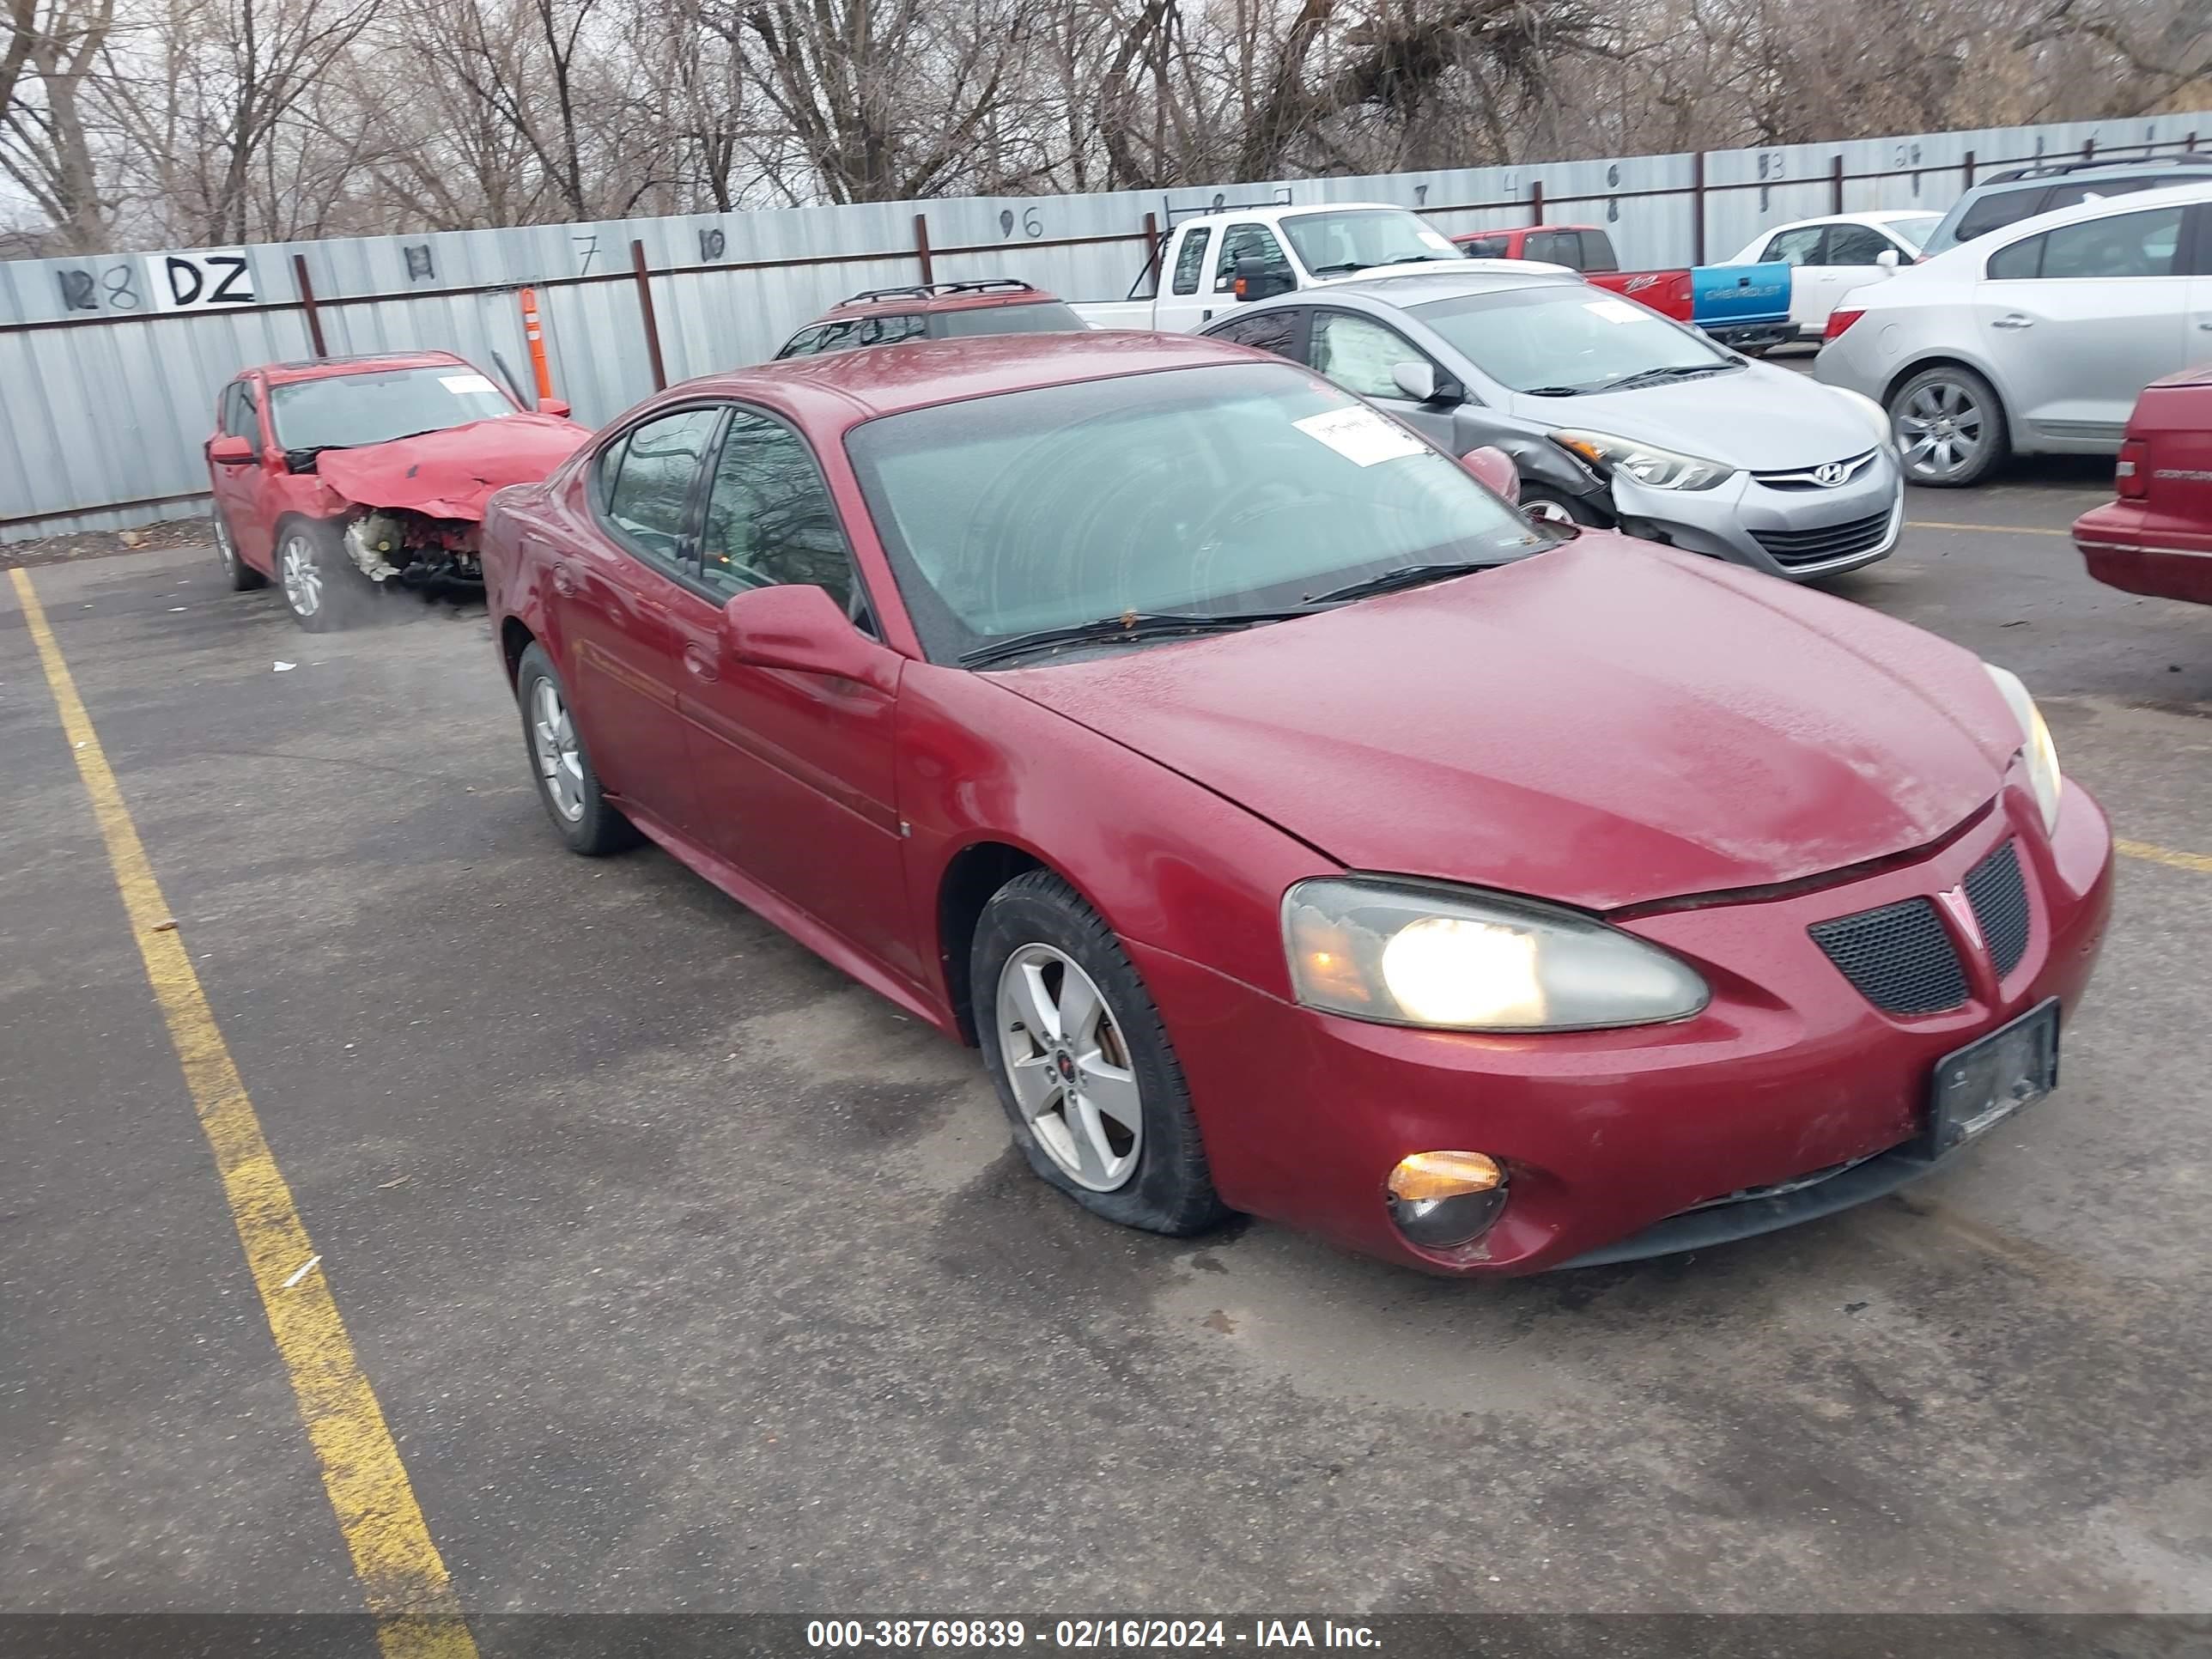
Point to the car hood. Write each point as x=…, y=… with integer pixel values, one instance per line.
x=1602, y=724
x=451, y=474
x=1764, y=419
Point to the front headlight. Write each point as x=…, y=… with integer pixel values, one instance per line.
x=1648, y=464
x=1876, y=418
x=2042, y=754
x=1413, y=953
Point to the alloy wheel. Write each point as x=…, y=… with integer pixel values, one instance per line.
x=1941, y=430
x=1070, y=1068
x=301, y=575
x=553, y=744
x=226, y=549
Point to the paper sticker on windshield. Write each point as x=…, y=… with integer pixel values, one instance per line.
x=1616, y=311
x=462, y=384
x=1436, y=242
x=1360, y=435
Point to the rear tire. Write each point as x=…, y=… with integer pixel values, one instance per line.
x=1082, y=1063
x=241, y=576
x=567, y=788
x=1949, y=427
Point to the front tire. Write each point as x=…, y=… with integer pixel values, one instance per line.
x=323, y=588
x=1949, y=427
x=1558, y=507
x=567, y=788
x=1082, y=1065
x=241, y=576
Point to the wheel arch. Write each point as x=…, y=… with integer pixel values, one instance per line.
x=1955, y=360
x=514, y=639
x=969, y=879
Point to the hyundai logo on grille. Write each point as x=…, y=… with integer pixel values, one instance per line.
x=1829, y=474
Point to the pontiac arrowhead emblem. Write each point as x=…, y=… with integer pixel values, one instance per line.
x=1956, y=906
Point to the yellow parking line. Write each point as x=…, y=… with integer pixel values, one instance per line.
x=2144, y=850
x=402, y=1576
x=1993, y=529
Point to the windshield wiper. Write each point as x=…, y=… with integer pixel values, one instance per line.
x=1554, y=391
x=1406, y=576
x=1342, y=267
x=1129, y=625
x=1660, y=376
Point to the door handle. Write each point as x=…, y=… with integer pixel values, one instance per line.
x=2014, y=320
x=2205, y=323
x=564, y=580
x=701, y=665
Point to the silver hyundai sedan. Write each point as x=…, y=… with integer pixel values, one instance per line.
x=1613, y=414
x=2034, y=340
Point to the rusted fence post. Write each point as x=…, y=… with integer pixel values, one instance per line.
x=307, y=303
x=645, y=309
x=1836, y=186
x=1536, y=202
x=1969, y=166
x=921, y=248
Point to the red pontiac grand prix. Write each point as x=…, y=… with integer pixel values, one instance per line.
x=1296, y=828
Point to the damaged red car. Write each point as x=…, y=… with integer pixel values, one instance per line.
x=1296, y=827
x=338, y=477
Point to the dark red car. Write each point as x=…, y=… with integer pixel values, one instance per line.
x=340, y=474
x=1296, y=828
x=933, y=311
x=2157, y=537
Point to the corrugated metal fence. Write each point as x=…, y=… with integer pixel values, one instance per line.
x=109, y=366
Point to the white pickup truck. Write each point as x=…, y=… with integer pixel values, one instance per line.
x=1213, y=261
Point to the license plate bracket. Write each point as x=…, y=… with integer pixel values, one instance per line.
x=1978, y=1087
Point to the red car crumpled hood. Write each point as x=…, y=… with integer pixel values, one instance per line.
x=1603, y=725
x=451, y=474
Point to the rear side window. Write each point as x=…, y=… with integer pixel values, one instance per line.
x=2022, y=260
x=838, y=337
x=1270, y=331
x=890, y=330
x=1190, y=259
x=1997, y=210
x=1597, y=251
x=1557, y=247
x=646, y=480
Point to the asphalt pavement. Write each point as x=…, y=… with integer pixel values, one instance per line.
x=691, y=1277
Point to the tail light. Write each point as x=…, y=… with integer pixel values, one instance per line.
x=1839, y=320
x=2130, y=476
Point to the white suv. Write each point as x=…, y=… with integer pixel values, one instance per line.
x=2034, y=340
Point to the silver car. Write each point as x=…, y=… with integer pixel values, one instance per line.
x=1613, y=414
x=2034, y=340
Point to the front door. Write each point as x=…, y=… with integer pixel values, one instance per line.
x=1360, y=355
x=795, y=770
x=2079, y=320
x=1848, y=261
x=242, y=492
x=612, y=598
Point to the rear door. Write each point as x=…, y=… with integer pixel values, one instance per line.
x=1555, y=248
x=1184, y=302
x=2078, y=320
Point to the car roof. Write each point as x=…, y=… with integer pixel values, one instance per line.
x=1275, y=212
x=923, y=298
x=321, y=368
x=1879, y=216
x=1509, y=230
x=2047, y=172
x=847, y=387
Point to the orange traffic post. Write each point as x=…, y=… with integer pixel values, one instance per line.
x=534, y=332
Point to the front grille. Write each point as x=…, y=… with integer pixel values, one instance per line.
x=1829, y=541
x=1802, y=478
x=1900, y=956
x=1998, y=893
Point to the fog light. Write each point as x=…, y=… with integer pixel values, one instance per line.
x=1443, y=1200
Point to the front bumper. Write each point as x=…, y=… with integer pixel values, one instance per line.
x=1779, y=532
x=1606, y=1134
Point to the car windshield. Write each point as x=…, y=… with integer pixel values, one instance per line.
x=1915, y=229
x=344, y=411
x=1569, y=337
x=1049, y=318
x=1354, y=238
x=1234, y=489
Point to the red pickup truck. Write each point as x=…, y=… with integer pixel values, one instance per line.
x=1747, y=306
x=2157, y=537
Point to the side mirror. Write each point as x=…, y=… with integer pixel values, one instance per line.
x=1420, y=381
x=553, y=406
x=799, y=627
x=1495, y=470
x=1255, y=282
x=230, y=450
x=1887, y=258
